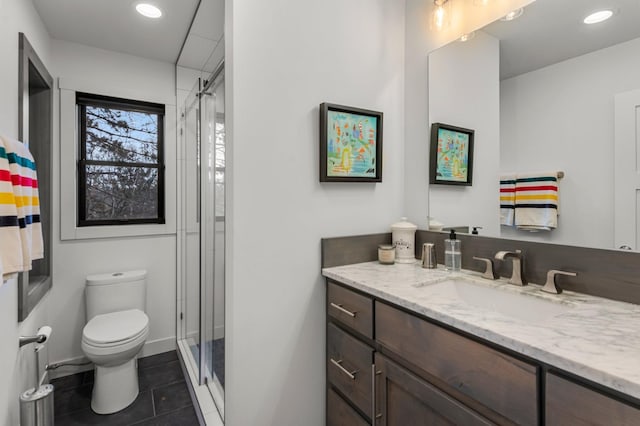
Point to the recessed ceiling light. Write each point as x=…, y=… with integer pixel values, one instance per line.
x=148, y=10
x=513, y=15
x=599, y=16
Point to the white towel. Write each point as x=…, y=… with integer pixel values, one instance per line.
x=10, y=241
x=25, y=191
x=537, y=201
x=507, y=198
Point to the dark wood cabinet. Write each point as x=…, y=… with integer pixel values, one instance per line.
x=568, y=403
x=403, y=399
x=390, y=367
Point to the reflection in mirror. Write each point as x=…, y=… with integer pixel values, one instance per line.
x=546, y=92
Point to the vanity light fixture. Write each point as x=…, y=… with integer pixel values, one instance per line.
x=467, y=36
x=441, y=14
x=513, y=15
x=599, y=16
x=148, y=10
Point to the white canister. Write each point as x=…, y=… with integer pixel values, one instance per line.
x=403, y=236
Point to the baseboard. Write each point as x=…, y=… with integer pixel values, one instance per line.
x=153, y=347
x=158, y=346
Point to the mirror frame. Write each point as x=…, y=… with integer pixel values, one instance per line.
x=30, y=292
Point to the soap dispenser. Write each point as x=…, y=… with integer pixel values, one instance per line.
x=452, y=253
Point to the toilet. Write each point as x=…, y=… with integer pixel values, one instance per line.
x=117, y=328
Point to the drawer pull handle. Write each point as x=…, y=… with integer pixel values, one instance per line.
x=343, y=310
x=352, y=375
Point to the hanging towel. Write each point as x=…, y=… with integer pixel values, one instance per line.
x=507, y=198
x=25, y=192
x=10, y=242
x=537, y=201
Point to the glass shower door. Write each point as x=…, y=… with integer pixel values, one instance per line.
x=203, y=239
x=191, y=288
x=213, y=228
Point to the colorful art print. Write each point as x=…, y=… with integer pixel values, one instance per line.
x=451, y=159
x=350, y=144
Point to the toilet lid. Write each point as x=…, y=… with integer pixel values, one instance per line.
x=115, y=327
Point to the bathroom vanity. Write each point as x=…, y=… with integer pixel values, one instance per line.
x=407, y=345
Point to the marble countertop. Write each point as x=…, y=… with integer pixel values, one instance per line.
x=592, y=337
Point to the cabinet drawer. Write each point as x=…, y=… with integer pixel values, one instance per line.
x=497, y=381
x=339, y=413
x=568, y=403
x=350, y=308
x=349, y=364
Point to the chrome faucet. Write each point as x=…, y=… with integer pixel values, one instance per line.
x=517, y=276
x=550, y=286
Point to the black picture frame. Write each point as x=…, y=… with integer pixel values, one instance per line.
x=353, y=152
x=451, y=164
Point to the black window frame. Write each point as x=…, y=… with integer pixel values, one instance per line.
x=87, y=99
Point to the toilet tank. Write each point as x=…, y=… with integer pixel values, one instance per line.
x=117, y=291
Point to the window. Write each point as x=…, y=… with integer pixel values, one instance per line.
x=121, y=164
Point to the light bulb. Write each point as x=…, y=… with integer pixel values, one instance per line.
x=440, y=15
x=512, y=15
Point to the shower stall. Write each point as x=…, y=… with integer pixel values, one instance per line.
x=201, y=327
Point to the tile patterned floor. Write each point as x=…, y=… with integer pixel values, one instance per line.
x=164, y=399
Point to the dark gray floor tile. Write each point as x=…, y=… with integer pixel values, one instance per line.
x=153, y=377
x=72, y=399
x=182, y=417
x=159, y=359
x=68, y=382
x=141, y=409
x=171, y=397
x=89, y=376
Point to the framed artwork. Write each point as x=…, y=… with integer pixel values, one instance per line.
x=451, y=155
x=350, y=144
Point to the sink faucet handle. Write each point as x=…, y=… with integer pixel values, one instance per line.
x=550, y=286
x=490, y=270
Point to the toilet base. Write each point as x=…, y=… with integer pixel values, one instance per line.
x=115, y=387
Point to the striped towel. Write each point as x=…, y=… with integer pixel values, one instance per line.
x=507, y=198
x=537, y=201
x=10, y=242
x=24, y=183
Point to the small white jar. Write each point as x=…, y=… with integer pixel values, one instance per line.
x=403, y=236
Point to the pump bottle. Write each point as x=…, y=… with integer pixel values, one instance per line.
x=452, y=253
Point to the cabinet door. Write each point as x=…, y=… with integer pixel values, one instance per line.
x=568, y=403
x=404, y=399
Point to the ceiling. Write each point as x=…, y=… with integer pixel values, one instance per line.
x=115, y=25
x=204, y=47
x=551, y=31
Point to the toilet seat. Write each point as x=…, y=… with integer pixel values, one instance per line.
x=116, y=329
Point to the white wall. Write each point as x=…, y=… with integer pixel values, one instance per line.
x=283, y=59
x=562, y=118
x=99, y=71
x=464, y=92
x=18, y=365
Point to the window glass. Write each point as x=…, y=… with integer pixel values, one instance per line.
x=120, y=168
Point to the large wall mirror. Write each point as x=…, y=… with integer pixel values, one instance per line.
x=547, y=92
